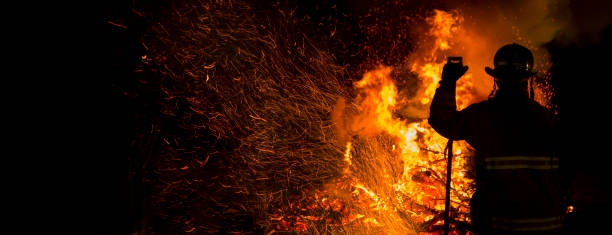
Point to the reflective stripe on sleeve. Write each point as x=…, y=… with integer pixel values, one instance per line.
x=522, y=162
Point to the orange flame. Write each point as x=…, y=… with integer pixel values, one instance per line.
x=420, y=146
x=401, y=203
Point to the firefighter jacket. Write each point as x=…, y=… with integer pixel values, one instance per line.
x=517, y=176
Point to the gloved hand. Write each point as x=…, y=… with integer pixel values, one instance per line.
x=452, y=72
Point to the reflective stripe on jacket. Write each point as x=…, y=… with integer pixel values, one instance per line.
x=521, y=162
x=516, y=163
x=526, y=225
x=522, y=192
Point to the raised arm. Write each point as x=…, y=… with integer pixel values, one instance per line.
x=443, y=115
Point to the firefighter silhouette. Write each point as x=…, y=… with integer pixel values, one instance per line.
x=517, y=178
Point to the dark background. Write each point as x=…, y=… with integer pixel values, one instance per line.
x=580, y=74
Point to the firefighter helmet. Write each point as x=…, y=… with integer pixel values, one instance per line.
x=512, y=62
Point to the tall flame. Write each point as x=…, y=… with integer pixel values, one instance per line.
x=412, y=199
x=420, y=147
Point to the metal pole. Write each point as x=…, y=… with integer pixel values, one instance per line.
x=449, y=167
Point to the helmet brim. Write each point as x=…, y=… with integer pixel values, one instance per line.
x=490, y=71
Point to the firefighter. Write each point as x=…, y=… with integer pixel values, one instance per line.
x=517, y=178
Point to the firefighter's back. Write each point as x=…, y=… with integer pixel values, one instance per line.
x=518, y=179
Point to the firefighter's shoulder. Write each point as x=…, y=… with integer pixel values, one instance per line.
x=475, y=107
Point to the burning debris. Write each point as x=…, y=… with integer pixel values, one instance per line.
x=395, y=171
x=250, y=100
x=264, y=132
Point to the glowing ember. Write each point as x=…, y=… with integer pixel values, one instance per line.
x=259, y=130
x=370, y=194
x=421, y=147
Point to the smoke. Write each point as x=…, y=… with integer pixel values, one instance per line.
x=338, y=118
x=586, y=20
x=485, y=26
x=489, y=25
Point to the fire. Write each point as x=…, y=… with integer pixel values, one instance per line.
x=412, y=199
x=421, y=147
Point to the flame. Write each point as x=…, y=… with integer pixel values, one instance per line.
x=421, y=147
x=417, y=193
